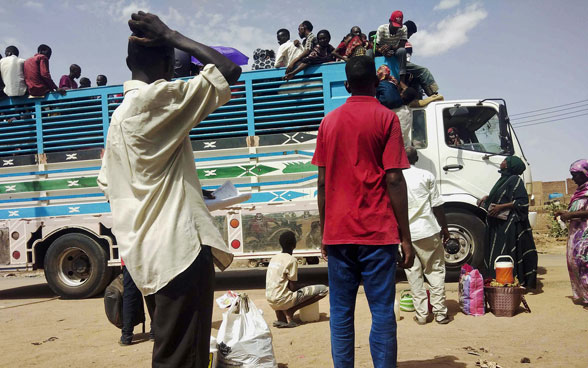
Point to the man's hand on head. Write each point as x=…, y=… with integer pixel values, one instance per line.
x=151, y=30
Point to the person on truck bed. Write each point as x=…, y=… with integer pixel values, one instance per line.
x=309, y=41
x=12, y=70
x=101, y=80
x=36, y=73
x=288, y=50
x=68, y=81
x=352, y=45
x=321, y=53
x=421, y=76
x=163, y=228
x=85, y=82
x=282, y=291
x=390, y=41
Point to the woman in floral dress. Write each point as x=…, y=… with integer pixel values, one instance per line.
x=577, y=251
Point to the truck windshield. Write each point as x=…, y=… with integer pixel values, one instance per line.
x=472, y=128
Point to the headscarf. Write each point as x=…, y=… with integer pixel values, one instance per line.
x=581, y=167
x=385, y=74
x=514, y=167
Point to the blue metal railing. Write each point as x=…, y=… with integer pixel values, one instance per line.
x=262, y=103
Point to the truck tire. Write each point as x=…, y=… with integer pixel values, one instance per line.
x=76, y=266
x=468, y=229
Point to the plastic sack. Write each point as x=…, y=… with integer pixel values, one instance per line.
x=471, y=291
x=244, y=338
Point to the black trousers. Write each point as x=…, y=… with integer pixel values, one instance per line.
x=132, y=305
x=183, y=316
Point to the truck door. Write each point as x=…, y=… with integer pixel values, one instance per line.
x=470, y=147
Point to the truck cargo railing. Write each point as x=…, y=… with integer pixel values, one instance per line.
x=262, y=103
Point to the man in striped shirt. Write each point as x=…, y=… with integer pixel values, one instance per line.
x=391, y=39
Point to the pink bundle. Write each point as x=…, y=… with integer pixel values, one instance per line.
x=471, y=291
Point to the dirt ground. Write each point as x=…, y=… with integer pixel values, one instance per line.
x=42, y=330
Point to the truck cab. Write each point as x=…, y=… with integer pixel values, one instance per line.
x=466, y=165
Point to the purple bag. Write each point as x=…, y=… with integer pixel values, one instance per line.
x=471, y=291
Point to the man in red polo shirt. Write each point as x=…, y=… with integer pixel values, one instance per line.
x=36, y=73
x=364, y=213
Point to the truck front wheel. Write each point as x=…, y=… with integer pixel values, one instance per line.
x=76, y=266
x=468, y=230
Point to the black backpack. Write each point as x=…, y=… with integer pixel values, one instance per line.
x=113, y=304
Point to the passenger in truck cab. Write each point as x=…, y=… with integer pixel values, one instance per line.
x=453, y=138
x=321, y=53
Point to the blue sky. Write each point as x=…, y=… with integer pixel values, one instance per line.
x=531, y=53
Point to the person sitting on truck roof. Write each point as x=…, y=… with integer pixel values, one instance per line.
x=101, y=80
x=309, y=41
x=288, y=50
x=422, y=76
x=68, y=81
x=282, y=291
x=321, y=53
x=36, y=73
x=85, y=83
x=391, y=39
x=352, y=45
x=12, y=70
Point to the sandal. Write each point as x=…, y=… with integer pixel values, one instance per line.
x=291, y=324
x=279, y=324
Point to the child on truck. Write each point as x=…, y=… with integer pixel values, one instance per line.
x=282, y=291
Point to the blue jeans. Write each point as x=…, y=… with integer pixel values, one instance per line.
x=376, y=266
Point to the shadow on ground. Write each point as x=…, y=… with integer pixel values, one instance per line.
x=37, y=291
x=448, y=361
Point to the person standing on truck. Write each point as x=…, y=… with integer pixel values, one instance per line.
x=423, y=78
x=428, y=231
x=101, y=80
x=36, y=73
x=163, y=229
x=363, y=212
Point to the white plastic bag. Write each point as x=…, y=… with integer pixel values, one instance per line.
x=244, y=337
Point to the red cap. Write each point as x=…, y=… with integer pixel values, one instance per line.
x=396, y=18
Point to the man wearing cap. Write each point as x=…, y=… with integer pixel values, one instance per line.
x=391, y=39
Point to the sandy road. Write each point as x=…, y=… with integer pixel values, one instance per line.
x=40, y=330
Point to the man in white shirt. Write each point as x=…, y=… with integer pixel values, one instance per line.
x=427, y=226
x=12, y=69
x=288, y=50
x=163, y=229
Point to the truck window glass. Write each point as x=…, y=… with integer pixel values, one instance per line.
x=472, y=128
x=419, y=129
